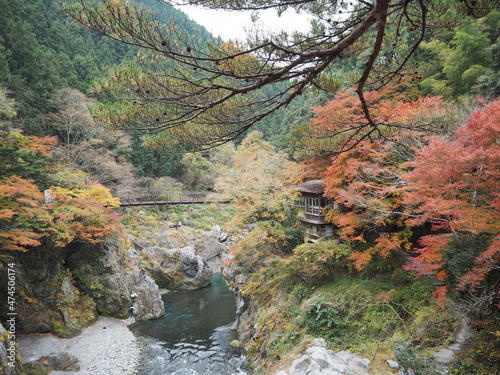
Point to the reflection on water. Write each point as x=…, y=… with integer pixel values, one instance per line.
x=193, y=336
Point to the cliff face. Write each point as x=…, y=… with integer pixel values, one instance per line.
x=109, y=274
x=47, y=298
x=64, y=290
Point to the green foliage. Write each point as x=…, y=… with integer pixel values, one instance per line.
x=410, y=359
x=69, y=178
x=368, y=315
x=7, y=109
x=204, y=217
x=482, y=355
x=324, y=319
x=200, y=170
x=301, y=292
x=431, y=324
x=463, y=249
x=467, y=58
x=152, y=162
x=311, y=263
x=42, y=51
x=34, y=368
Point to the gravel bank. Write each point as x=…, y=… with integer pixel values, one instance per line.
x=106, y=348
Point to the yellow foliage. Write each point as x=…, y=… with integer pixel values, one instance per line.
x=96, y=192
x=58, y=191
x=100, y=194
x=237, y=64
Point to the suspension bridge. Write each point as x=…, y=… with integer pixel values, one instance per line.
x=154, y=199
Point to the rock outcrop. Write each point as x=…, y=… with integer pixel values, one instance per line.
x=320, y=361
x=54, y=362
x=47, y=298
x=6, y=358
x=64, y=290
x=177, y=268
x=109, y=274
x=207, y=244
x=181, y=258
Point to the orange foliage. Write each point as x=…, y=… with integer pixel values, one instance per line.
x=440, y=295
x=454, y=187
x=340, y=125
x=26, y=221
x=79, y=215
x=431, y=253
x=366, y=179
x=483, y=264
x=20, y=204
x=42, y=146
x=448, y=185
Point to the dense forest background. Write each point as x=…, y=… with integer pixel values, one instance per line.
x=433, y=195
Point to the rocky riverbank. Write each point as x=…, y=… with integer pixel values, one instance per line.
x=319, y=360
x=106, y=348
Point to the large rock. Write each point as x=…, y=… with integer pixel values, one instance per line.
x=49, y=299
x=63, y=290
x=54, y=362
x=109, y=273
x=177, y=268
x=207, y=243
x=305, y=365
x=320, y=361
x=6, y=356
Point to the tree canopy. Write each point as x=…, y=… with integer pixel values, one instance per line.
x=201, y=95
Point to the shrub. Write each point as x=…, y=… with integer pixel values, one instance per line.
x=433, y=325
x=464, y=248
x=413, y=362
x=483, y=352
x=311, y=263
x=324, y=319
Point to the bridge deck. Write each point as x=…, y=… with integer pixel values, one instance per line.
x=171, y=199
x=153, y=203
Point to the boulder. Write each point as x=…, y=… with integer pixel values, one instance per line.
x=54, y=362
x=393, y=364
x=207, y=243
x=177, y=268
x=305, y=365
x=320, y=361
x=326, y=359
x=61, y=362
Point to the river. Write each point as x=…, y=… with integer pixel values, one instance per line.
x=193, y=337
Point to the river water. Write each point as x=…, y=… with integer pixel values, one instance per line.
x=193, y=337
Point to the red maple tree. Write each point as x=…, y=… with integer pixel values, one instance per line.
x=454, y=187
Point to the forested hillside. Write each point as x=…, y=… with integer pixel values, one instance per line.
x=402, y=126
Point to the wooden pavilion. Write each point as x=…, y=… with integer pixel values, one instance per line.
x=314, y=204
